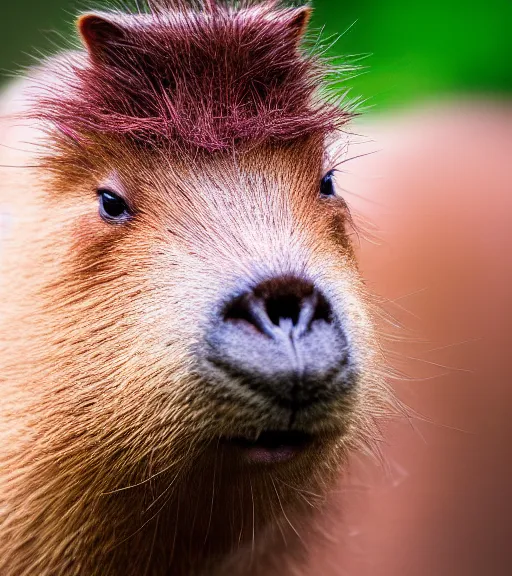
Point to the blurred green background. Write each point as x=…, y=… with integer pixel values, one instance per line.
x=412, y=50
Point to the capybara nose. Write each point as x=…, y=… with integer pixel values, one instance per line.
x=282, y=340
x=281, y=308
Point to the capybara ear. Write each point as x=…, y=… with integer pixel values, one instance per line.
x=298, y=21
x=102, y=34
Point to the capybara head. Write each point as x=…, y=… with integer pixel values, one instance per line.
x=202, y=354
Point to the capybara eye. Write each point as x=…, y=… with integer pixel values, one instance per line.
x=327, y=184
x=112, y=207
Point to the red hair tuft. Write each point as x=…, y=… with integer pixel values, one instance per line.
x=211, y=78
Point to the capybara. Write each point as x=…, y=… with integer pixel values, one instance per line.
x=188, y=351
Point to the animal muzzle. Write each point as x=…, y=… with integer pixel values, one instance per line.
x=283, y=341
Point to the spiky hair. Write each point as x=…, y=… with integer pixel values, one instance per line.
x=194, y=75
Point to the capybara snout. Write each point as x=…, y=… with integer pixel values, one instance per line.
x=282, y=340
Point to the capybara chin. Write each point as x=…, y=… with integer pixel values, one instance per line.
x=187, y=351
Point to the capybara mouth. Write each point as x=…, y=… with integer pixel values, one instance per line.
x=273, y=446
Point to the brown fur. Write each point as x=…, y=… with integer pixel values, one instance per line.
x=111, y=460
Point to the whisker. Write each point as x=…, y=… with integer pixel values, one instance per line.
x=213, y=493
x=284, y=513
x=470, y=340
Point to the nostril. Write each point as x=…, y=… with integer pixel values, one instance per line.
x=250, y=311
x=286, y=306
x=239, y=309
x=280, y=304
x=323, y=310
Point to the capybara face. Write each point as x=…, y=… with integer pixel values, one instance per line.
x=219, y=295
